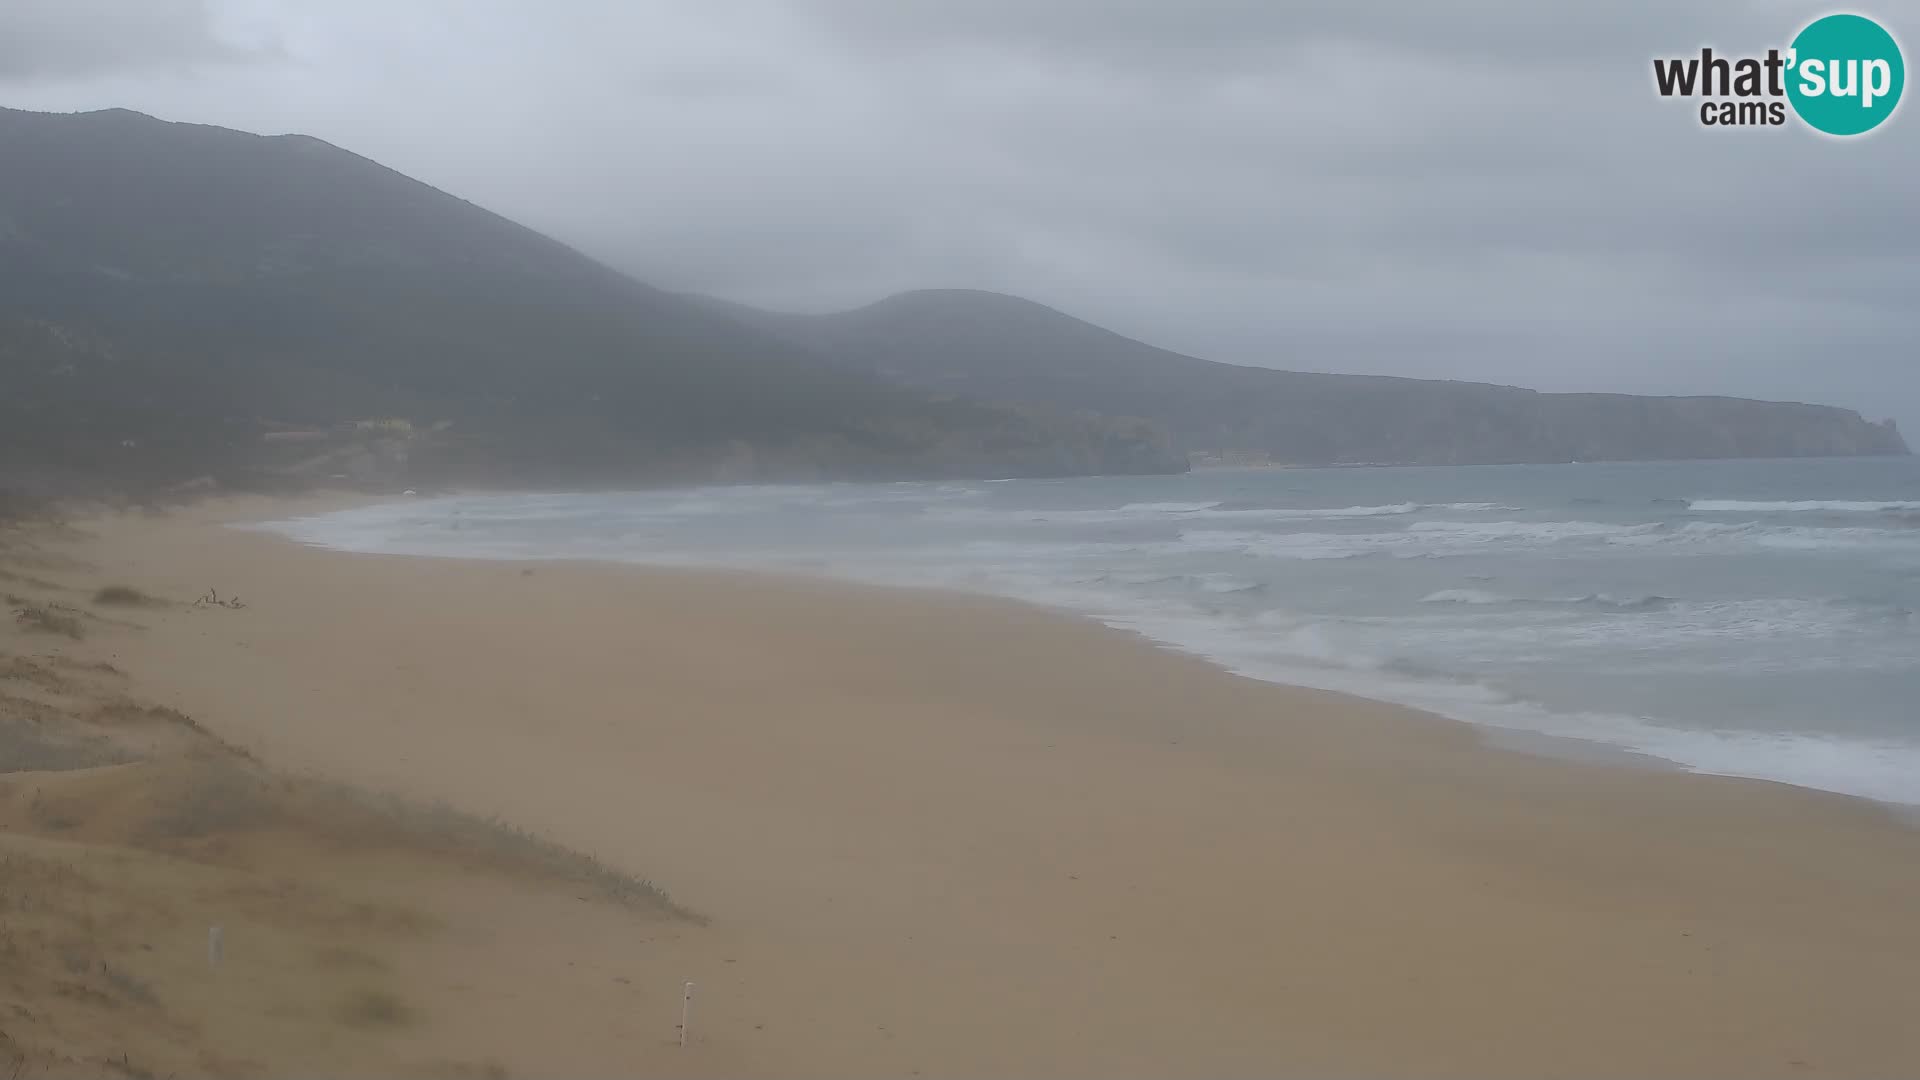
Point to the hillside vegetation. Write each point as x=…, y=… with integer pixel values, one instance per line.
x=1003, y=347
x=179, y=300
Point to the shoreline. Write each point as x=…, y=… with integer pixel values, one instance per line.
x=961, y=835
x=1526, y=741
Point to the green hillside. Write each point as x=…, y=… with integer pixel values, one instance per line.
x=179, y=301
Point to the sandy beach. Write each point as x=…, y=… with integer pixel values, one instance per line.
x=938, y=835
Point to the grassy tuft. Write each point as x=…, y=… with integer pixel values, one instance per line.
x=128, y=985
x=223, y=798
x=126, y=596
x=374, y=1008
x=455, y=832
x=28, y=747
x=48, y=621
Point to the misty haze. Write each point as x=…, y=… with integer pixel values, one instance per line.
x=921, y=537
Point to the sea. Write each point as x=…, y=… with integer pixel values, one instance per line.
x=1746, y=618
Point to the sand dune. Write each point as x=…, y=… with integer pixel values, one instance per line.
x=941, y=835
x=360, y=935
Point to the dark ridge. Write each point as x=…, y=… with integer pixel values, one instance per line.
x=1002, y=347
x=180, y=302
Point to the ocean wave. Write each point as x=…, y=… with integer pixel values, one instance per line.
x=1389, y=510
x=1759, y=633
x=1466, y=596
x=1288, y=513
x=1148, y=578
x=1165, y=507
x=988, y=551
x=1542, y=531
x=1226, y=584
x=1313, y=653
x=1211, y=511
x=1602, y=601
x=1207, y=583
x=1282, y=513
x=1419, y=540
x=986, y=516
x=1834, y=506
x=1257, y=514
x=1792, y=537
x=1308, y=546
x=1649, y=602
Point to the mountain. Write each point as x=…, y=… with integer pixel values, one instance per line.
x=997, y=347
x=179, y=300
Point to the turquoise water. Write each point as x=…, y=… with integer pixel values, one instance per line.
x=1750, y=618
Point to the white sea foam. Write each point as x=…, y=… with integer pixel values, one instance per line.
x=1566, y=596
x=1602, y=601
x=1281, y=513
x=1465, y=596
x=1756, y=634
x=1390, y=510
x=1836, y=506
x=1712, y=534
x=1226, y=583
x=1214, y=511
x=1647, y=602
x=1304, y=653
x=1166, y=507
x=1299, y=545
x=1537, y=531
x=1419, y=540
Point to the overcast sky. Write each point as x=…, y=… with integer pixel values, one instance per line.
x=1486, y=190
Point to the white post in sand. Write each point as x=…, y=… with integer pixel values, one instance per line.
x=686, y=1011
x=215, y=947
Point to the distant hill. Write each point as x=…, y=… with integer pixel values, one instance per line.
x=179, y=300
x=1000, y=347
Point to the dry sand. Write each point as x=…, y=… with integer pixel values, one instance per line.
x=945, y=836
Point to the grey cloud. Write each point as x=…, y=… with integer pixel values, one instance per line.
x=61, y=39
x=1215, y=35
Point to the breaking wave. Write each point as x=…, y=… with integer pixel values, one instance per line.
x=1832, y=506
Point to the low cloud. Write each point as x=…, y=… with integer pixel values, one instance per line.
x=77, y=39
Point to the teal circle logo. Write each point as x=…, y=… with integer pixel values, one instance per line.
x=1845, y=74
